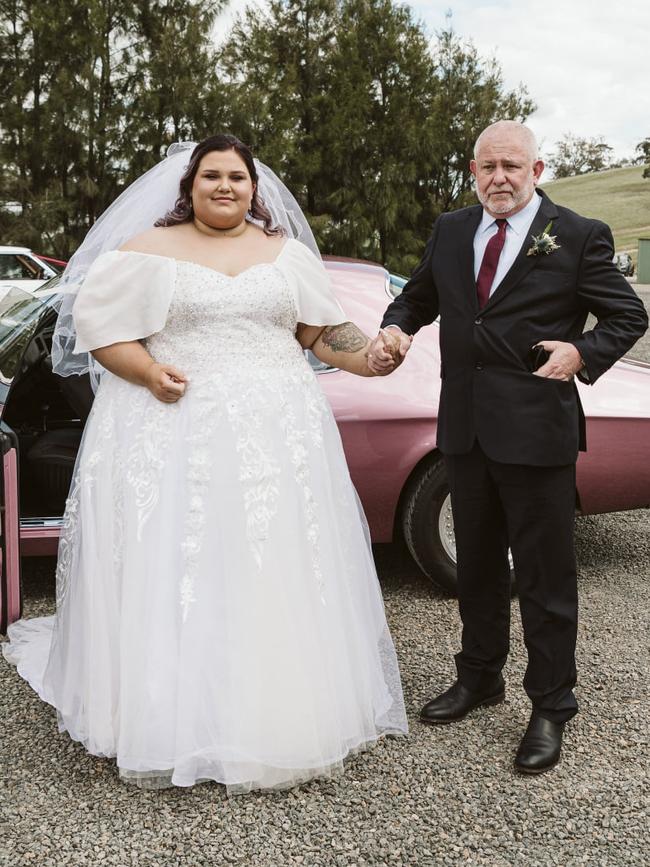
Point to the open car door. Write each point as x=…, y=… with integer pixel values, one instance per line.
x=10, y=585
x=20, y=313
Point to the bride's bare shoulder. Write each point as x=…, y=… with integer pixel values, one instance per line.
x=156, y=240
x=273, y=243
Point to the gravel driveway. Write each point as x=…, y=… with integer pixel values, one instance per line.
x=442, y=796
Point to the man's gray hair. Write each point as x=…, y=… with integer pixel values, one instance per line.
x=513, y=128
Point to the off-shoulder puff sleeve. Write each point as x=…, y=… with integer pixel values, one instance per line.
x=125, y=296
x=315, y=301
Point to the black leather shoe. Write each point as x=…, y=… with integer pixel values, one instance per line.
x=457, y=702
x=540, y=747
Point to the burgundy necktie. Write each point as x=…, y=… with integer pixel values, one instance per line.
x=489, y=264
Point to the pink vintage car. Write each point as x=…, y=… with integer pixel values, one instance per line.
x=388, y=427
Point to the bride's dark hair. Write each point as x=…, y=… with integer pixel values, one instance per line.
x=182, y=210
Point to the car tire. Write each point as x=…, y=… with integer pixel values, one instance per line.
x=428, y=526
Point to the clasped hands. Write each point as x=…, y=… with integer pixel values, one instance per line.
x=387, y=351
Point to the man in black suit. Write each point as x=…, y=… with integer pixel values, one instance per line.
x=506, y=276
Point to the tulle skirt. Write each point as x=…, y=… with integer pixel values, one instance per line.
x=218, y=611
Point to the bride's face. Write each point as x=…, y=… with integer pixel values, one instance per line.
x=222, y=190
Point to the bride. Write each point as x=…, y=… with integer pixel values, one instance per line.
x=218, y=612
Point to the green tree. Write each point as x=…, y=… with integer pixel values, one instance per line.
x=277, y=66
x=404, y=122
x=371, y=130
x=643, y=151
x=57, y=116
x=370, y=127
x=575, y=155
x=92, y=92
x=381, y=93
x=172, y=80
x=468, y=97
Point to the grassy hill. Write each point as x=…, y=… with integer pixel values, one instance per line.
x=619, y=197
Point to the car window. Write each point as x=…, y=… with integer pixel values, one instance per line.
x=317, y=365
x=18, y=319
x=16, y=266
x=51, y=266
x=394, y=284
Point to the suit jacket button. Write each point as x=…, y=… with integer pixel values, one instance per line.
x=478, y=366
x=478, y=320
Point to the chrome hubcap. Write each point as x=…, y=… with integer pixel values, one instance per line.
x=446, y=531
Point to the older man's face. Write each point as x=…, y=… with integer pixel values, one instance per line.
x=506, y=174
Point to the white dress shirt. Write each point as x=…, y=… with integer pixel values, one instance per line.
x=517, y=231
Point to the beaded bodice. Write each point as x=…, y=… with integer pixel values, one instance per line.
x=217, y=323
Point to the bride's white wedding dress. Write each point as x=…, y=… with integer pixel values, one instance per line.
x=218, y=611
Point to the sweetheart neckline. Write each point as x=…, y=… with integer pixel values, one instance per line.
x=207, y=267
x=223, y=273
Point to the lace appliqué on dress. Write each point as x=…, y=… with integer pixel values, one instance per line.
x=258, y=470
x=295, y=437
x=148, y=454
x=204, y=418
x=85, y=476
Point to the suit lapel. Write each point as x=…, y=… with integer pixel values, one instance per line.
x=466, y=251
x=525, y=263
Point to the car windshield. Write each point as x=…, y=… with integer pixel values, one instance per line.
x=18, y=266
x=18, y=318
x=317, y=365
x=394, y=284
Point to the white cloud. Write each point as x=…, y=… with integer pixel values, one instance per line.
x=584, y=62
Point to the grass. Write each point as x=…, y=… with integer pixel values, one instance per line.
x=618, y=197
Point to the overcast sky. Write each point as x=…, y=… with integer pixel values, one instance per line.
x=585, y=62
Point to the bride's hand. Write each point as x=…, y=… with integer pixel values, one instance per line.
x=387, y=351
x=165, y=382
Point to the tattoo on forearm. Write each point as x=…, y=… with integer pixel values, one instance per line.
x=344, y=338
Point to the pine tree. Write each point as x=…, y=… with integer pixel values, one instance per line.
x=469, y=96
x=277, y=65
x=643, y=151
x=92, y=93
x=371, y=129
x=380, y=96
x=172, y=81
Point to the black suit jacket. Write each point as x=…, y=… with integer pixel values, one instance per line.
x=488, y=391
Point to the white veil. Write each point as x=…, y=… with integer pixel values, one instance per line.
x=146, y=200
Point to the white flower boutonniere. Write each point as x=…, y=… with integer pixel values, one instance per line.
x=544, y=243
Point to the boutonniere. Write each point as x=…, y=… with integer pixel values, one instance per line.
x=544, y=243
